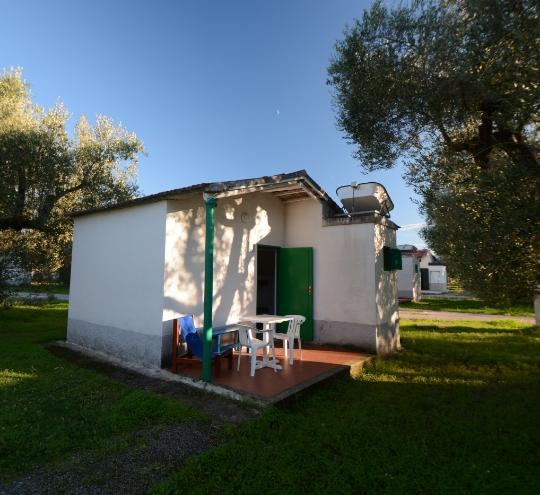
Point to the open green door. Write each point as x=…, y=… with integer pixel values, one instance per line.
x=295, y=286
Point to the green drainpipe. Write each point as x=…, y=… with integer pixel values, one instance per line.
x=210, y=204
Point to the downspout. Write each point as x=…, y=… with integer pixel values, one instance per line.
x=210, y=205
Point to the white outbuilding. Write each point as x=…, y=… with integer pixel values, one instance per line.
x=281, y=246
x=409, y=275
x=432, y=271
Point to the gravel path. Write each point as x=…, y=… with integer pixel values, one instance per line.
x=160, y=450
x=40, y=296
x=129, y=473
x=426, y=314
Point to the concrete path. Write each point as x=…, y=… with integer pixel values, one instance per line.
x=426, y=314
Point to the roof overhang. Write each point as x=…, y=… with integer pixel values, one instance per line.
x=289, y=188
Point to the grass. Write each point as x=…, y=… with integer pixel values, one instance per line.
x=41, y=288
x=455, y=412
x=469, y=306
x=51, y=409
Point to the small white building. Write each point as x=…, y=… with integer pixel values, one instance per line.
x=281, y=246
x=409, y=275
x=432, y=272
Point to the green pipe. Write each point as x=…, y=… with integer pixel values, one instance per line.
x=210, y=205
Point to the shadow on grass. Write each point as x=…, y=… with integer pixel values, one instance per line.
x=454, y=412
x=50, y=408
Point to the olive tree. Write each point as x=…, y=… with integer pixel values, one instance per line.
x=449, y=81
x=45, y=174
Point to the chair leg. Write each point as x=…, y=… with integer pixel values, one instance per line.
x=274, y=355
x=239, y=355
x=300, y=347
x=285, y=344
x=291, y=345
x=253, y=362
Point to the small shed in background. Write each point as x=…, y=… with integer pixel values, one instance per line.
x=432, y=271
x=409, y=286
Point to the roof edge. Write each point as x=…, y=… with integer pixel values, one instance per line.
x=218, y=187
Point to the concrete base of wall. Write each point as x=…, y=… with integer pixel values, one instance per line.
x=438, y=287
x=345, y=333
x=123, y=344
x=406, y=294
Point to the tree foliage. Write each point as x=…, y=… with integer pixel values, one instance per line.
x=45, y=174
x=483, y=223
x=456, y=82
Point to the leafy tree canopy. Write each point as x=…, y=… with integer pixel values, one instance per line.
x=453, y=88
x=45, y=174
x=483, y=223
x=466, y=72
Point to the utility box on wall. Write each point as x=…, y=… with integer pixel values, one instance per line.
x=392, y=259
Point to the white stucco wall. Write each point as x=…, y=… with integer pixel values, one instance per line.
x=344, y=284
x=116, y=288
x=240, y=223
x=386, y=294
x=409, y=280
x=355, y=300
x=437, y=278
x=343, y=263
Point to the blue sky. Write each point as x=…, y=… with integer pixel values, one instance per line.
x=216, y=90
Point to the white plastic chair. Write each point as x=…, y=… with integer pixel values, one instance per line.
x=246, y=339
x=293, y=332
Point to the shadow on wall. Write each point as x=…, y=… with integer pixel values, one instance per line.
x=239, y=226
x=386, y=299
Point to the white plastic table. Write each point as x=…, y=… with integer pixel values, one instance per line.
x=268, y=322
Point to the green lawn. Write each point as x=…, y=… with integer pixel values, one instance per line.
x=455, y=412
x=469, y=306
x=50, y=409
x=41, y=288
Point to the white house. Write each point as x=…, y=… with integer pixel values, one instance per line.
x=432, y=271
x=409, y=275
x=281, y=245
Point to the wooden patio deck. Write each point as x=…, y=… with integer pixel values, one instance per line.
x=318, y=364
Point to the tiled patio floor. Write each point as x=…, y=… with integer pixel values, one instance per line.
x=317, y=364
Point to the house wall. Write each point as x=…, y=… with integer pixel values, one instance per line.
x=344, y=287
x=437, y=278
x=426, y=260
x=386, y=294
x=116, y=290
x=241, y=222
x=409, y=280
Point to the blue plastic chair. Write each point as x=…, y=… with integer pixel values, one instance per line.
x=184, y=331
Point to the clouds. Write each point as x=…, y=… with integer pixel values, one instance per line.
x=413, y=226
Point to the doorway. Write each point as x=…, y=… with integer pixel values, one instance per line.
x=266, y=279
x=285, y=284
x=424, y=278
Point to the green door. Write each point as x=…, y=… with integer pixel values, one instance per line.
x=295, y=286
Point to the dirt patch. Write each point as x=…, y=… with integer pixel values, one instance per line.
x=218, y=408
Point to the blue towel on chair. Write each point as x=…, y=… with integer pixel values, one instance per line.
x=193, y=339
